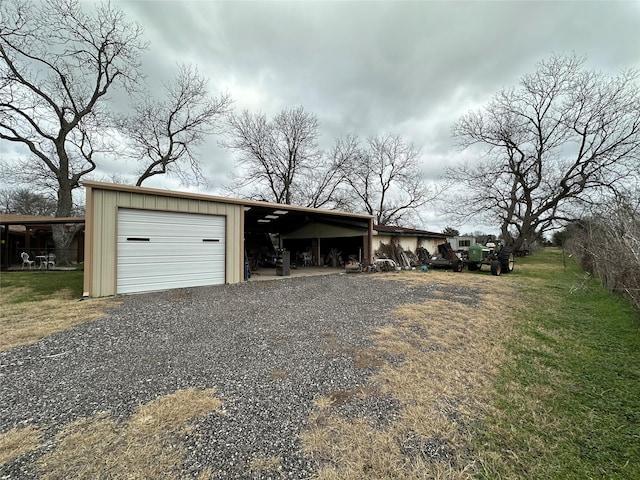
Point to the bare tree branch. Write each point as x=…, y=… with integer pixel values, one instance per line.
x=57, y=65
x=275, y=155
x=165, y=133
x=386, y=181
x=563, y=135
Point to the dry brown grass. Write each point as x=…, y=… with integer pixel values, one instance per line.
x=18, y=441
x=278, y=375
x=450, y=349
x=146, y=446
x=26, y=323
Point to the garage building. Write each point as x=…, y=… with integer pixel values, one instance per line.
x=140, y=239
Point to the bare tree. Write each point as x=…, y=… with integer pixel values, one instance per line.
x=563, y=136
x=325, y=185
x=57, y=65
x=274, y=155
x=385, y=180
x=23, y=201
x=165, y=133
x=607, y=244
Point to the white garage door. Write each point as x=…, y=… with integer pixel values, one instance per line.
x=163, y=250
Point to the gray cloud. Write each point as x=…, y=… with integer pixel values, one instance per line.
x=410, y=68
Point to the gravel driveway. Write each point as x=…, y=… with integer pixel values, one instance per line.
x=231, y=338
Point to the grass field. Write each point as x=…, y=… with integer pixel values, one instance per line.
x=568, y=397
x=537, y=377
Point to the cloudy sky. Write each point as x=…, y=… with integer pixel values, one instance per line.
x=372, y=67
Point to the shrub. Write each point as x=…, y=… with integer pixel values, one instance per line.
x=608, y=246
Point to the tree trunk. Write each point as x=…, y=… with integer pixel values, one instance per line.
x=62, y=234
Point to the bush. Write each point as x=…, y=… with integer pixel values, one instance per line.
x=608, y=246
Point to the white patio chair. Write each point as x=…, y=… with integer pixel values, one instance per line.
x=51, y=260
x=307, y=259
x=26, y=261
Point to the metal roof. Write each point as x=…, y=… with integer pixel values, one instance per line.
x=401, y=231
x=28, y=220
x=259, y=217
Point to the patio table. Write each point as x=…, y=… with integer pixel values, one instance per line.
x=43, y=261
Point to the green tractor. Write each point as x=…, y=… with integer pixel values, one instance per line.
x=500, y=259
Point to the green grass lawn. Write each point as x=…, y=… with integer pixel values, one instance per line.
x=568, y=400
x=33, y=284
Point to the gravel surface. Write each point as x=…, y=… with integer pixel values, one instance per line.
x=268, y=348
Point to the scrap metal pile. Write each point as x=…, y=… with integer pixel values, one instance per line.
x=392, y=256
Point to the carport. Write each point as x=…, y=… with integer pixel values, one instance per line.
x=142, y=239
x=33, y=234
x=309, y=235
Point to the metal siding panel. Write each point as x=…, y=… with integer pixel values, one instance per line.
x=161, y=203
x=97, y=225
x=172, y=203
x=151, y=202
x=232, y=250
x=104, y=244
x=235, y=249
x=108, y=252
x=137, y=200
x=124, y=199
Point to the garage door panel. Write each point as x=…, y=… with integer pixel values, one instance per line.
x=158, y=268
x=151, y=283
x=162, y=250
x=161, y=262
x=152, y=238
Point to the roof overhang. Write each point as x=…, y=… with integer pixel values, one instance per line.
x=405, y=232
x=261, y=217
x=33, y=220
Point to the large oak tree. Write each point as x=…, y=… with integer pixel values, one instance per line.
x=563, y=136
x=275, y=155
x=57, y=65
x=384, y=179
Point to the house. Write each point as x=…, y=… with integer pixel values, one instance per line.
x=461, y=243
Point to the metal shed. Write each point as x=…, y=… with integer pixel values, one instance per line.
x=142, y=239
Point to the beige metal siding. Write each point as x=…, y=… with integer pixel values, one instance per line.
x=102, y=238
x=408, y=242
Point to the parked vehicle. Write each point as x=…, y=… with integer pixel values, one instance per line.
x=500, y=259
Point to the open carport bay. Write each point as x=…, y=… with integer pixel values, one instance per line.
x=303, y=233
